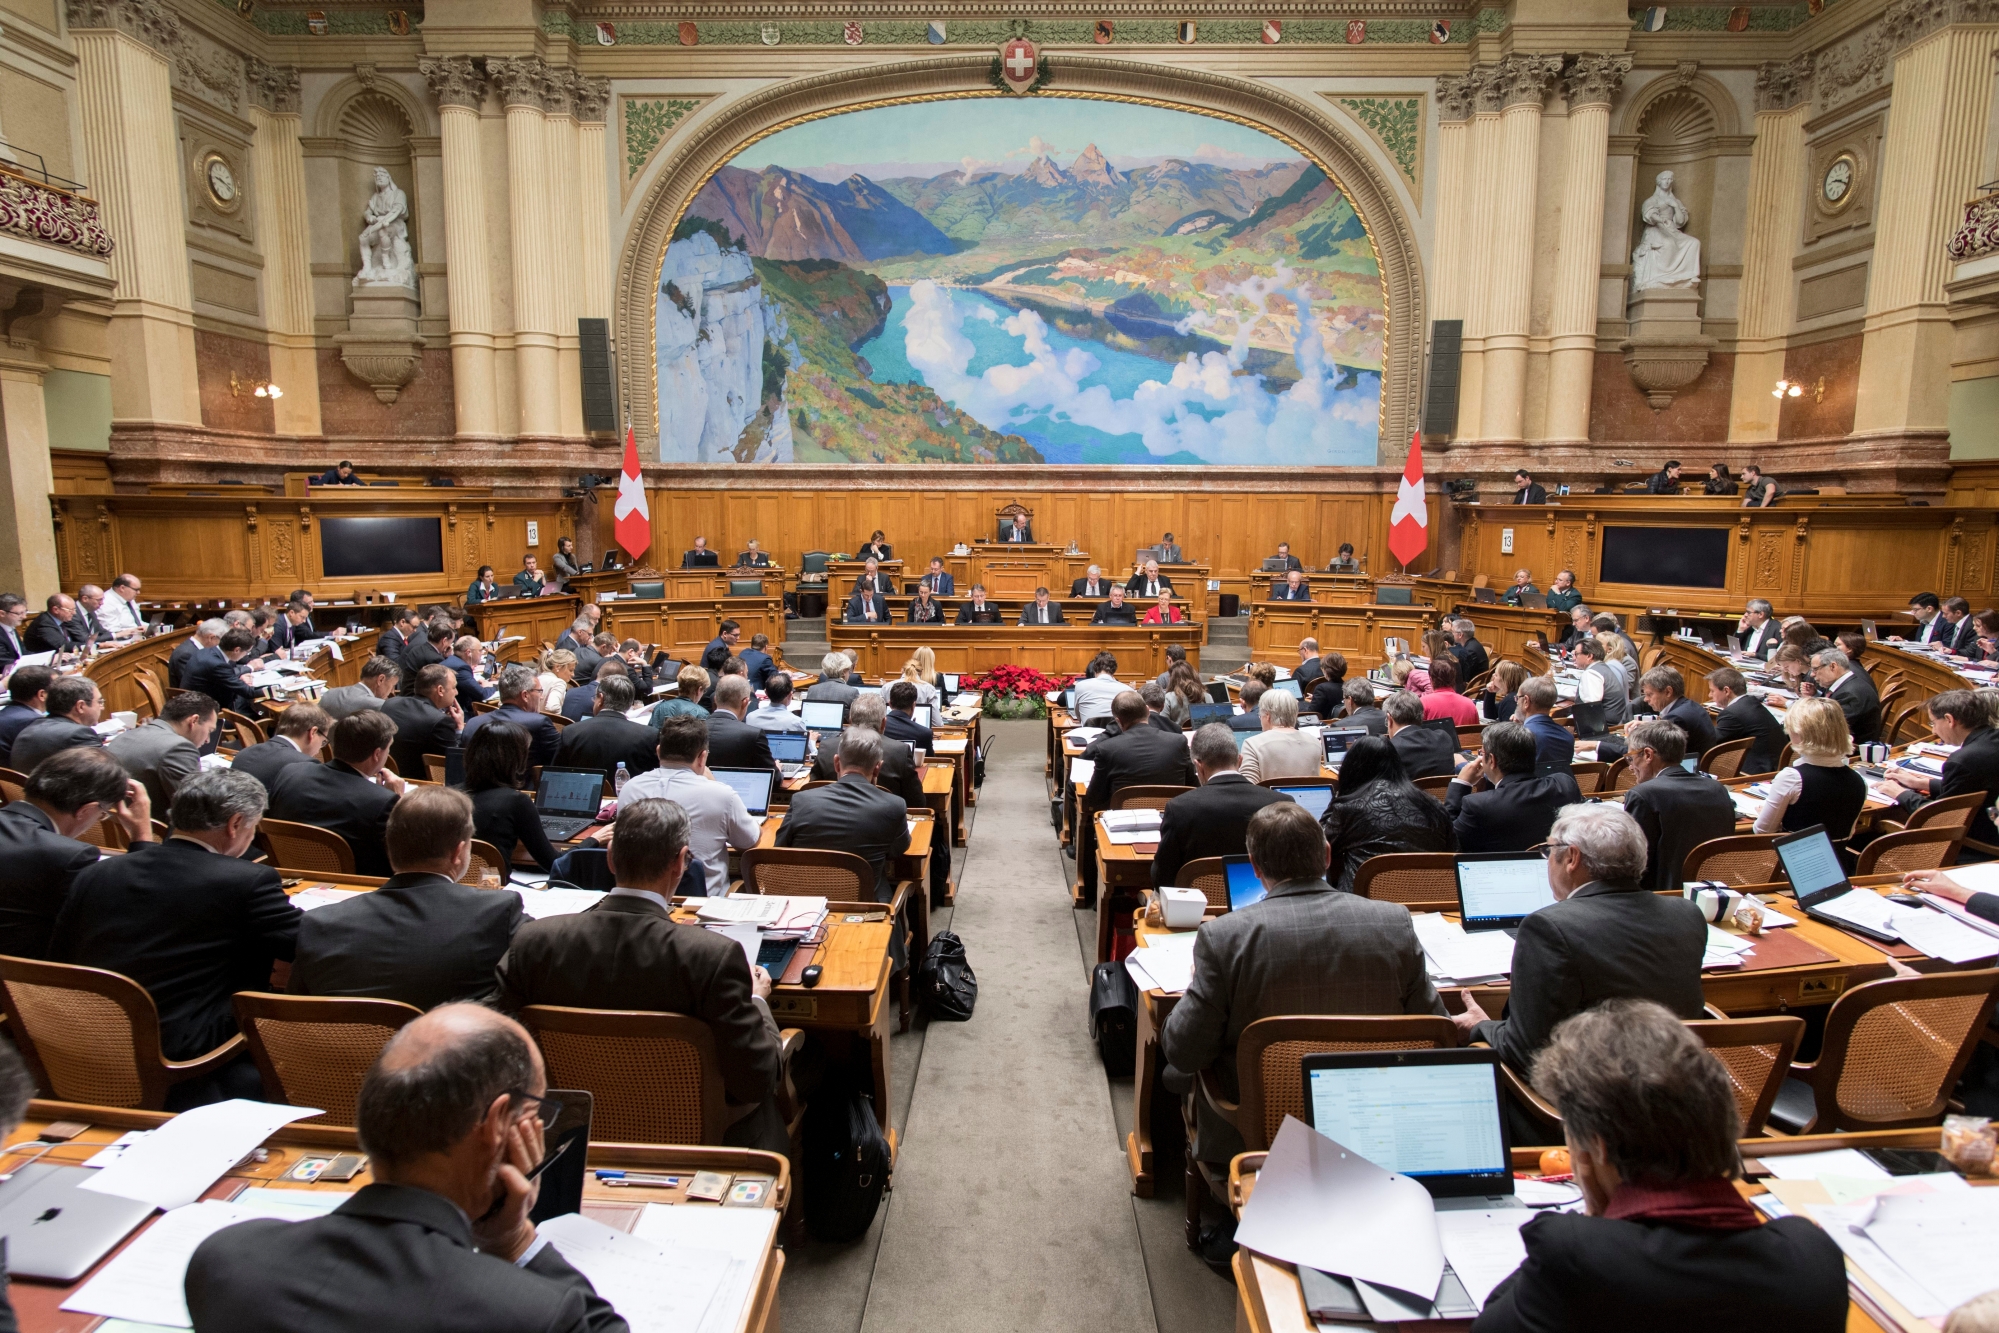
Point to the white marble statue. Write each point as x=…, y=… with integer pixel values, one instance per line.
x=385, y=237
x=1666, y=256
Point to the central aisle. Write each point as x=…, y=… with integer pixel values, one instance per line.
x=1012, y=1210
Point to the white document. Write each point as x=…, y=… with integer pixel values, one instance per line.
x=743, y=1234
x=1848, y=1162
x=111, y=1152
x=541, y=903
x=749, y=937
x=1945, y=1241
x=656, y=1290
x=1860, y=907
x=1484, y=1247
x=1320, y=1204
x=1941, y=936
x=312, y=1201
x=1131, y=837
x=1746, y=805
x=1083, y=735
x=309, y=900
x=743, y=909
x=333, y=646
x=1081, y=771
x=1169, y=970
x=1131, y=819
x=1980, y=878
x=146, y=1281
x=1457, y=954
x=1957, y=911
x=211, y=763
x=192, y=1151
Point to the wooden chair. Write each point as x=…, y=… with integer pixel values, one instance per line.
x=1947, y=812
x=106, y=833
x=1913, y=849
x=1892, y=1052
x=1891, y=701
x=1651, y=657
x=1144, y=798
x=1747, y=858
x=433, y=765
x=653, y=1077
x=1912, y=725
x=1725, y=760
x=1270, y=1086
x=1436, y=784
x=486, y=860
x=93, y=1036
x=1589, y=776
x=1757, y=1053
x=13, y=786
x=305, y=847
x=149, y=685
x=1785, y=757
x=1210, y=878
x=840, y=876
x=1619, y=777
x=314, y=1051
x=248, y=731
x=1420, y=881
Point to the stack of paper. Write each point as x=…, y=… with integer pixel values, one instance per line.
x=145, y=1281
x=744, y=909
x=308, y=900
x=1724, y=950
x=1930, y=1251
x=1942, y=936
x=556, y=902
x=1454, y=954
x=1860, y=907
x=180, y=1159
x=1081, y=771
x=1084, y=735
x=740, y=1236
x=1163, y=962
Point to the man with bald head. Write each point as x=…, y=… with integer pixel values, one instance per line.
x=451, y=1117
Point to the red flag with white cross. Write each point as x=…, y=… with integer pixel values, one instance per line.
x=634, y=518
x=1409, y=523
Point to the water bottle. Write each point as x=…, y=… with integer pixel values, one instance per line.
x=620, y=778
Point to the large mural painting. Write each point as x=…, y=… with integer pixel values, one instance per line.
x=1033, y=280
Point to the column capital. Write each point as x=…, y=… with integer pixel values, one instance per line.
x=558, y=90
x=1592, y=79
x=148, y=21
x=593, y=99
x=1457, y=95
x=1782, y=84
x=522, y=80
x=273, y=87
x=454, y=80
x=1516, y=80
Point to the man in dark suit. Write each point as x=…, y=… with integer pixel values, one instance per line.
x=1743, y=714
x=340, y=474
x=1287, y=561
x=1249, y=719
x=427, y=722
x=940, y=583
x=1305, y=949
x=297, y=738
x=758, y=662
x=1603, y=938
x=866, y=607
x=448, y=1114
x=40, y=840
x=901, y=723
x=398, y=634
x=1017, y=531
x=27, y=703
x=1666, y=481
x=13, y=611
x=422, y=938
x=216, y=672
x=1213, y=819
x=732, y=741
x=1358, y=707
x=1554, y=744
x=721, y=648
x=1962, y=718
x=1293, y=589
x=871, y=577
x=1473, y=660
x=1840, y=679
x=1676, y=810
x=925, y=609
x=853, y=815
x=467, y=653
x=49, y=632
x=700, y=557
x=1137, y=756
x=1115, y=612
x=83, y=627
x=1148, y=581
x=429, y=648
x=206, y=635
x=1522, y=804
x=1664, y=690
x=292, y=627
x=607, y=737
x=190, y=921
x=897, y=774
x=1527, y=491
x=1092, y=584
x=1758, y=633
x=978, y=611
x=1426, y=751
x=75, y=709
x=1956, y=633
x=520, y=703
x=344, y=796
x=1041, y=611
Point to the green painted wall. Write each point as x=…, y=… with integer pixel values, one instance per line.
x=79, y=408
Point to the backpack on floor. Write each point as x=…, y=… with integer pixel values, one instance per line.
x=845, y=1160
x=944, y=981
x=1114, y=1017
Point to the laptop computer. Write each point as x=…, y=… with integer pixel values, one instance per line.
x=1371, y=1101
x=1069, y=701
x=1291, y=687
x=56, y=1231
x=1199, y=715
x=1338, y=740
x=1273, y=564
x=1484, y=595
x=1218, y=691
x=1314, y=798
x=1812, y=865
x=1499, y=890
x=1245, y=889
x=947, y=685
x=754, y=785
x=1445, y=726
x=791, y=749
x=567, y=799
x=822, y=714
x=454, y=767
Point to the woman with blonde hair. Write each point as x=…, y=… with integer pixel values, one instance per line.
x=926, y=666
x=1400, y=670
x=558, y=673
x=693, y=681
x=1616, y=659
x=926, y=693
x=1818, y=788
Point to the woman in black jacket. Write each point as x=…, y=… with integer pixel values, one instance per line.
x=496, y=762
x=1378, y=810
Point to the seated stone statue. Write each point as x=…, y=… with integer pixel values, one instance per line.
x=1666, y=256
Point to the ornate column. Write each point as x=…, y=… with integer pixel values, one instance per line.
x=1448, y=267
x=125, y=96
x=559, y=102
x=277, y=193
x=523, y=83
x=1590, y=84
x=593, y=100
x=1476, y=245
x=460, y=86
x=1929, y=166
x=1776, y=202
x=27, y=536
x=1520, y=84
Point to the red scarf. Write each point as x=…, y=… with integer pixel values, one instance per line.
x=1706, y=1205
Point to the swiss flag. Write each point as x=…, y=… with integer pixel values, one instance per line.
x=634, y=519
x=1409, y=524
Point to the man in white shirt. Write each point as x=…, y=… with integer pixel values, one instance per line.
x=776, y=715
x=1930, y=625
x=120, y=613
x=717, y=819
x=1098, y=687
x=1756, y=632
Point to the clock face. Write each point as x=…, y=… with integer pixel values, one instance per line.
x=221, y=181
x=1837, y=184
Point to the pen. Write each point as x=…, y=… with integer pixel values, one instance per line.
x=643, y=1182
x=607, y=1174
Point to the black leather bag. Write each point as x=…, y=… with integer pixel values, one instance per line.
x=945, y=981
x=1114, y=1017
x=845, y=1161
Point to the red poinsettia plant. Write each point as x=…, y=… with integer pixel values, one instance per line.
x=1016, y=691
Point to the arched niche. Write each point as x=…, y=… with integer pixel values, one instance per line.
x=362, y=127
x=695, y=159
x=1685, y=127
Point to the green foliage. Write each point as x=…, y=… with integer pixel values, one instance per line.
x=691, y=225
x=1395, y=121
x=647, y=122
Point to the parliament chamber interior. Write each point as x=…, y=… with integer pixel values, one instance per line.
x=1029, y=667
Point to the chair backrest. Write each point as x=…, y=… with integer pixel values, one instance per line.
x=1621, y=776
x=434, y=767
x=1436, y=784
x=1784, y=757
x=305, y=847
x=486, y=860
x=1209, y=876
x=1912, y=725
x=1145, y=798
x=1589, y=775
x=800, y=872
x=1950, y=812
x=1912, y=849
x=1651, y=657
x=106, y=833
x=149, y=685
x=314, y=1050
x=1748, y=858
x=1420, y=881
x=653, y=1077
x=248, y=731
x=1894, y=1049
x=1271, y=1051
x=11, y=788
x=585, y=868
x=1725, y=760
x=87, y=1035
x=1757, y=1053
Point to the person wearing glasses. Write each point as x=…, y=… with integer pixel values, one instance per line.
x=627, y=952
x=453, y=1116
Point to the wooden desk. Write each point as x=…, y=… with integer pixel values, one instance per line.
x=535, y=619
x=1327, y=589
x=1076, y=610
x=880, y=650
x=685, y=626
x=1505, y=630
x=680, y=584
x=37, y=1305
x=1356, y=632
x=1010, y=570
x=116, y=670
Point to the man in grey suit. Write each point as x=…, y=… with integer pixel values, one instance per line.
x=1676, y=810
x=1305, y=949
x=165, y=751
x=297, y=738
x=832, y=686
x=75, y=709
x=898, y=774
x=1041, y=611
x=380, y=679
x=853, y=815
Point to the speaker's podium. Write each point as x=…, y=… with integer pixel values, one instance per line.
x=1016, y=569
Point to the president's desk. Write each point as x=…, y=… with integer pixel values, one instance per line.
x=880, y=650
x=1355, y=632
x=682, y=627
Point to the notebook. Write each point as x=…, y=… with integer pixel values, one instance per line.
x=1499, y=890
x=754, y=785
x=1812, y=865
x=567, y=799
x=55, y=1231
x=791, y=750
x=1199, y=715
x=1337, y=740
x=1314, y=798
x=822, y=714
x=1245, y=889
x=1434, y=1116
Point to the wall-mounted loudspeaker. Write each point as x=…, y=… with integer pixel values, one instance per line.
x=1440, y=392
x=600, y=395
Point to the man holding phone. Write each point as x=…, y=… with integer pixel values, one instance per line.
x=452, y=1119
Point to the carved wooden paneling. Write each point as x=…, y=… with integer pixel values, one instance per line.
x=880, y=650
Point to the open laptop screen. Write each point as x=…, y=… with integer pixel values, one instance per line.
x=1338, y=739
x=569, y=791
x=752, y=784
x=1315, y=799
x=1432, y=1115
x=787, y=747
x=1199, y=715
x=1218, y=691
x=1810, y=863
x=1501, y=889
x=822, y=714
x=1291, y=687
x=1245, y=888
